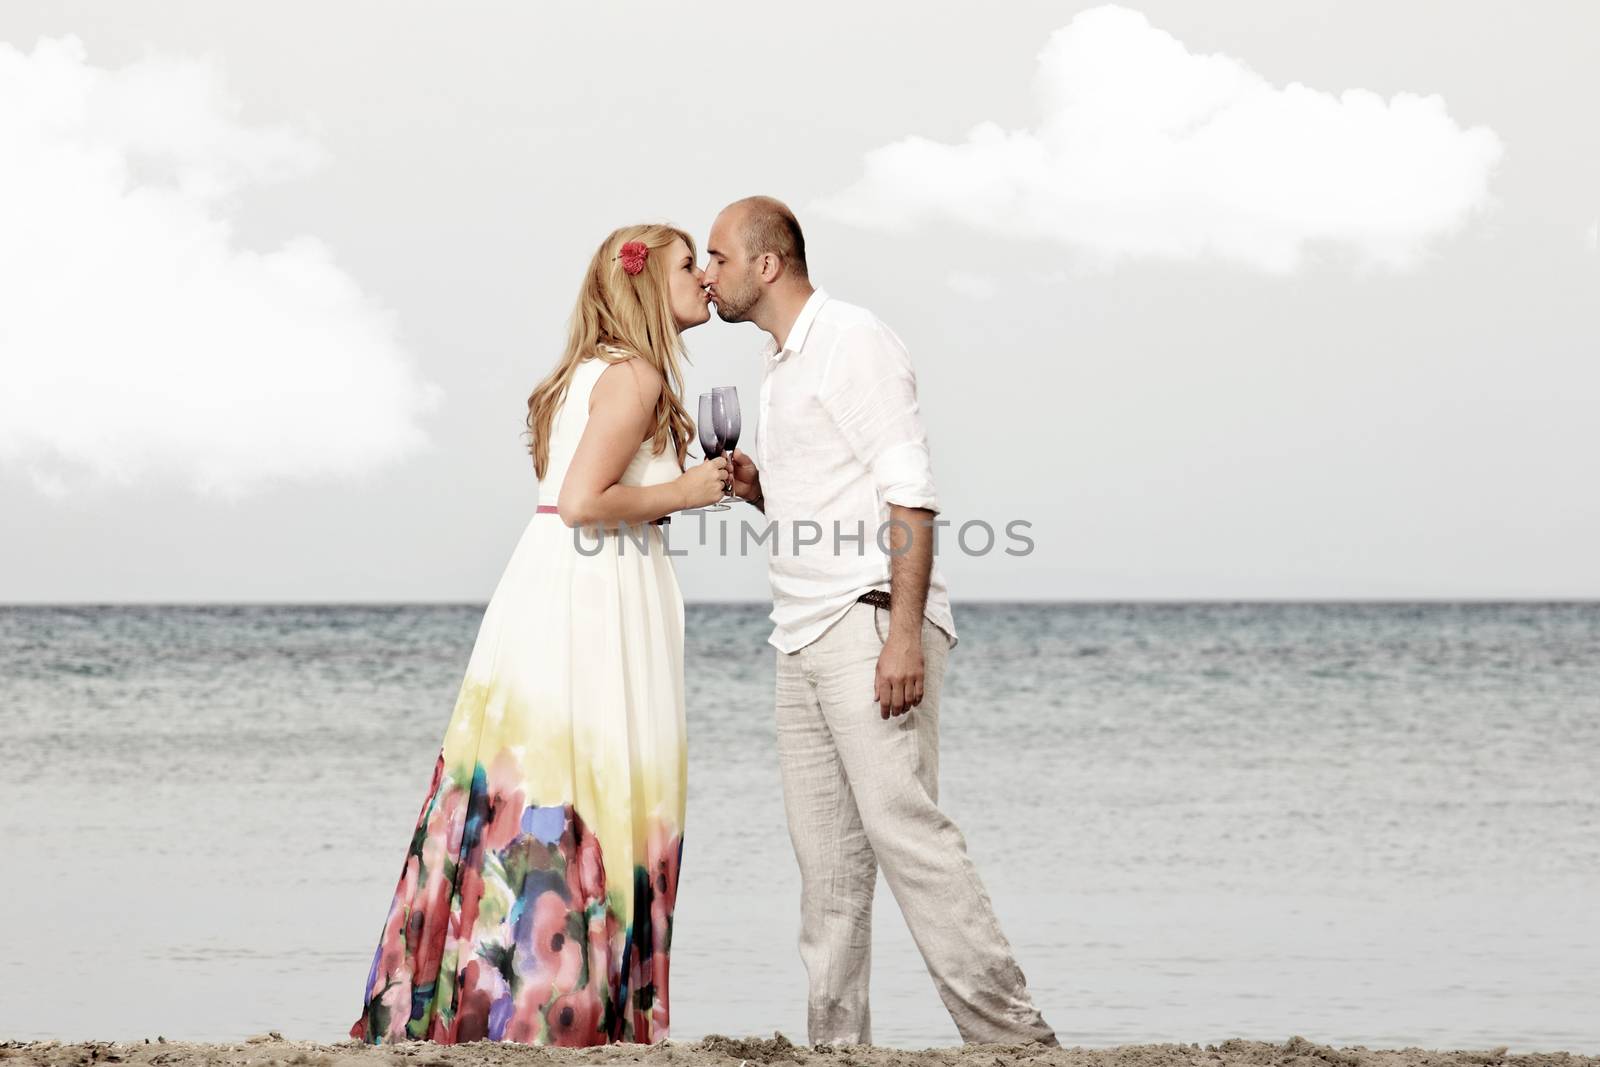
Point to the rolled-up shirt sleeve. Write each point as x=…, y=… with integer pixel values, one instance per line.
x=870, y=392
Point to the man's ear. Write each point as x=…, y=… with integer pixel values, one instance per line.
x=771, y=267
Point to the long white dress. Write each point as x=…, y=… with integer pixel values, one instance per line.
x=536, y=900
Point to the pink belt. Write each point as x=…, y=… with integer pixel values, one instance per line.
x=551, y=509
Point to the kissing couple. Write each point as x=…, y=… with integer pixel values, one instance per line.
x=536, y=900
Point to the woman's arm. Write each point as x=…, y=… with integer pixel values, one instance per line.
x=621, y=410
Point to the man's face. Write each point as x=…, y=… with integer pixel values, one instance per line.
x=730, y=273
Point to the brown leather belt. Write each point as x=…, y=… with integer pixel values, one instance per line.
x=876, y=597
x=551, y=509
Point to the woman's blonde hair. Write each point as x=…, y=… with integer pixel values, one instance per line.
x=629, y=312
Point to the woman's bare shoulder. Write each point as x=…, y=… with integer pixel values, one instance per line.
x=629, y=376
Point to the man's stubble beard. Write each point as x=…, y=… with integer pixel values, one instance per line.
x=730, y=308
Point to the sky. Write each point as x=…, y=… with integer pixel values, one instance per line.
x=1241, y=300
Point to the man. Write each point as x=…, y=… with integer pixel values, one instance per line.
x=862, y=626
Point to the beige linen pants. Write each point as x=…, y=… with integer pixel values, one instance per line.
x=862, y=792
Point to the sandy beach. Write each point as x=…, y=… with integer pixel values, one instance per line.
x=272, y=1050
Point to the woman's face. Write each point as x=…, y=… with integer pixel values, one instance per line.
x=686, y=292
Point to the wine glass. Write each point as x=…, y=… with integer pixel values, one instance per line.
x=725, y=420
x=710, y=442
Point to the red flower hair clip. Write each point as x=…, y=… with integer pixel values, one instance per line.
x=634, y=253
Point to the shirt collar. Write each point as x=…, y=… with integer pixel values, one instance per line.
x=798, y=332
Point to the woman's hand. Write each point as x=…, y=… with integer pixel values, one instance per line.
x=702, y=485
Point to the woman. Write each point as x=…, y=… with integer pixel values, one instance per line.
x=536, y=900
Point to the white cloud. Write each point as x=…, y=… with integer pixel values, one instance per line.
x=140, y=343
x=1144, y=150
x=972, y=286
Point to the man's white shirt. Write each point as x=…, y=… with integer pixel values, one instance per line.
x=839, y=440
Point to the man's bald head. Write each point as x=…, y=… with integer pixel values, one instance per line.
x=756, y=251
x=767, y=225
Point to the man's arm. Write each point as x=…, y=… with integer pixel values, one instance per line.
x=870, y=392
x=898, y=685
x=746, y=479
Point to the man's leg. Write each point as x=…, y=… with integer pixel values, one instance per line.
x=892, y=768
x=837, y=869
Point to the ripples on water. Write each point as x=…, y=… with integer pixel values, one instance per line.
x=1370, y=824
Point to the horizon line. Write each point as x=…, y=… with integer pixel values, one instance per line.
x=971, y=601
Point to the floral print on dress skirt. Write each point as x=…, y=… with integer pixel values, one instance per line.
x=502, y=926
